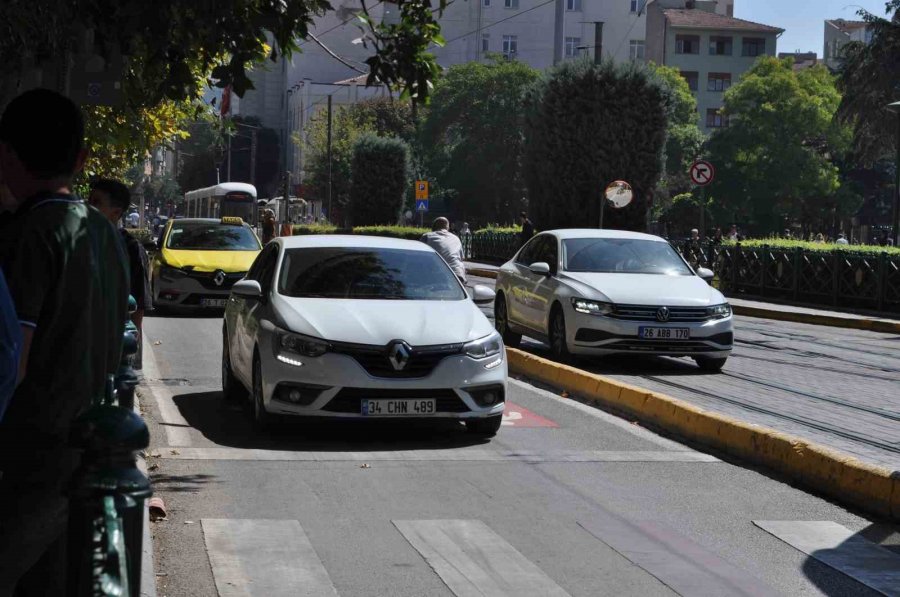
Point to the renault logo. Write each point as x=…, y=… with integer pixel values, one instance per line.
x=219, y=278
x=398, y=355
x=662, y=314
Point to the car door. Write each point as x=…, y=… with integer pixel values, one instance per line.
x=256, y=310
x=518, y=285
x=241, y=344
x=538, y=289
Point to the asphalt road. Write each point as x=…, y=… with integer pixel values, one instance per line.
x=567, y=500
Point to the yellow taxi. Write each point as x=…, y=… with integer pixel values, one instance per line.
x=198, y=260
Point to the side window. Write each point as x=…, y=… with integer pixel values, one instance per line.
x=547, y=252
x=267, y=270
x=527, y=255
x=256, y=268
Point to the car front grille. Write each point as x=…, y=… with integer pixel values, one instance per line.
x=376, y=362
x=348, y=399
x=591, y=335
x=207, y=279
x=649, y=313
x=683, y=346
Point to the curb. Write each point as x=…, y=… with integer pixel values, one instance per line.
x=843, y=478
x=148, y=569
x=872, y=325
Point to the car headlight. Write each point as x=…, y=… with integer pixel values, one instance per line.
x=169, y=272
x=485, y=347
x=719, y=311
x=590, y=307
x=306, y=346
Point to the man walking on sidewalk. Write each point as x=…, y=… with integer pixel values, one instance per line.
x=447, y=246
x=67, y=277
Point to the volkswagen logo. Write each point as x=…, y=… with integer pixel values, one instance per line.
x=398, y=355
x=219, y=278
x=662, y=314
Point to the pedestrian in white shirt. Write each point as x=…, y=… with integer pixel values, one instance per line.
x=447, y=246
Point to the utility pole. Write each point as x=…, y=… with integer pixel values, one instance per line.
x=228, y=171
x=559, y=24
x=330, y=215
x=253, y=157
x=598, y=42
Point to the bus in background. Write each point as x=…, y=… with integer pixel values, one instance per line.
x=227, y=199
x=296, y=209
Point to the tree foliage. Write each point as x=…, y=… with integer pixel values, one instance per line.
x=380, y=169
x=869, y=78
x=587, y=125
x=774, y=160
x=472, y=135
x=268, y=155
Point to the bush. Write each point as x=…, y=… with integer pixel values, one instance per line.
x=495, y=229
x=380, y=176
x=779, y=243
x=406, y=232
x=586, y=126
x=302, y=229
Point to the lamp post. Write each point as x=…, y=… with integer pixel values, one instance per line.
x=895, y=221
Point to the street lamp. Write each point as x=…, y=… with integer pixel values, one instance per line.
x=895, y=108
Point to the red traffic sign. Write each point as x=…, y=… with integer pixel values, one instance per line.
x=702, y=172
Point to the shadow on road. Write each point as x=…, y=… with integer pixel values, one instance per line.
x=169, y=313
x=229, y=424
x=629, y=364
x=192, y=483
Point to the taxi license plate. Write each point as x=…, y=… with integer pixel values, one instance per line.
x=212, y=302
x=646, y=333
x=398, y=408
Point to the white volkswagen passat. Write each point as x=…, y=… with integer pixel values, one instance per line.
x=361, y=327
x=612, y=292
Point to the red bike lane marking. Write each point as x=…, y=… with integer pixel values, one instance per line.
x=519, y=416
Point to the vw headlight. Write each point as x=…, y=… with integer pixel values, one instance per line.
x=485, y=347
x=590, y=307
x=168, y=272
x=719, y=311
x=306, y=346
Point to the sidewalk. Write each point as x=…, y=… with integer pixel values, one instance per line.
x=766, y=310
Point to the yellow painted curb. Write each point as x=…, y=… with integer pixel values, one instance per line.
x=481, y=273
x=846, y=479
x=872, y=325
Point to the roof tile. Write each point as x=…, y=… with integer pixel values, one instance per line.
x=701, y=19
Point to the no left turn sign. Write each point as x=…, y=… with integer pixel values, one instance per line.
x=702, y=172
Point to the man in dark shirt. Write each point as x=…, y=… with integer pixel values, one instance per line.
x=68, y=280
x=527, y=228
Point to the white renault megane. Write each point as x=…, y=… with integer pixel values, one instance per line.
x=361, y=327
x=612, y=292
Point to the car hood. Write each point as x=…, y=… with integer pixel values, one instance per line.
x=644, y=289
x=210, y=261
x=377, y=322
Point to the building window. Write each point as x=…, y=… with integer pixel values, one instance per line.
x=573, y=5
x=510, y=46
x=572, y=44
x=634, y=6
x=692, y=79
x=486, y=3
x=687, y=44
x=636, y=49
x=754, y=46
x=719, y=46
x=715, y=119
x=511, y=3
x=718, y=81
x=485, y=42
x=729, y=10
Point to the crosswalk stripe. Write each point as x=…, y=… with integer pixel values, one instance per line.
x=684, y=566
x=842, y=549
x=474, y=561
x=451, y=454
x=264, y=558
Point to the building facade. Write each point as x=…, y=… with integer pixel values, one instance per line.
x=710, y=49
x=840, y=32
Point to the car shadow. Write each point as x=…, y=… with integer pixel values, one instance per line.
x=185, y=314
x=625, y=364
x=230, y=424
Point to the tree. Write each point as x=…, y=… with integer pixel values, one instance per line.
x=774, y=160
x=473, y=136
x=380, y=176
x=587, y=125
x=200, y=154
x=869, y=78
x=268, y=155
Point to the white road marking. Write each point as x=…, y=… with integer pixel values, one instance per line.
x=474, y=561
x=842, y=549
x=176, y=426
x=451, y=454
x=264, y=558
x=613, y=420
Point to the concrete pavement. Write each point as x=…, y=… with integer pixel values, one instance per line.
x=568, y=498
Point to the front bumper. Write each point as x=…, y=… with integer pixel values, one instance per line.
x=193, y=289
x=333, y=385
x=601, y=335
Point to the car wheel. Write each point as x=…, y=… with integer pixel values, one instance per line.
x=261, y=417
x=487, y=427
x=558, y=345
x=710, y=365
x=501, y=323
x=231, y=387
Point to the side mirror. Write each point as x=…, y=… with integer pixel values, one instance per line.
x=159, y=241
x=541, y=268
x=247, y=288
x=706, y=274
x=483, y=294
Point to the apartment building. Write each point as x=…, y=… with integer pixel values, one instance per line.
x=711, y=50
x=840, y=32
x=802, y=60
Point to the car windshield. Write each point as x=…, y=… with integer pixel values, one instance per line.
x=211, y=236
x=623, y=255
x=367, y=273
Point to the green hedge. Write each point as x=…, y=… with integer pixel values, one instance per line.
x=813, y=247
x=495, y=229
x=405, y=232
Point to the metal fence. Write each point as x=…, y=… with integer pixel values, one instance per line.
x=492, y=247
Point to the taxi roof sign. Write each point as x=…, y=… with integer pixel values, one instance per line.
x=233, y=220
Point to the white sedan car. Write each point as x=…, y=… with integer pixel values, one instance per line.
x=598, y=292
x=361, y=327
